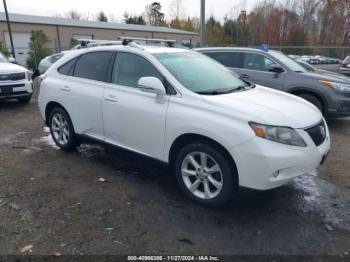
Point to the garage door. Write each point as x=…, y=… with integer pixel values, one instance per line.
x=21, y=45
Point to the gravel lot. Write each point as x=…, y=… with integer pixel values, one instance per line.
x=54, y=201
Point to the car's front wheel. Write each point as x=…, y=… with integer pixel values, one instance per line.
x=206, y=175
x=62, y=129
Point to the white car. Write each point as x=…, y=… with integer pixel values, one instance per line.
x=215, y=131
x=15, y=81
x=49, y=61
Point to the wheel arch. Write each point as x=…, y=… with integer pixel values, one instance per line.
x=188, y=138
x=300, y=90
x=49, y=107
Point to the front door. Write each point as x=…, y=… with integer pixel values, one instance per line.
x=255, y=69
x=132, y=118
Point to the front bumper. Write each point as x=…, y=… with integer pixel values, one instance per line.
x=264, y=164
x=339, y=104
x=16, y=89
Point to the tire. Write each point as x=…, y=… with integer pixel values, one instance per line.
x=24, y=99
x=313, y=100
x=203, y=177
x=62, y=130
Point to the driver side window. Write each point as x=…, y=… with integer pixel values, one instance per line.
x=257, y=62
x=129, y=68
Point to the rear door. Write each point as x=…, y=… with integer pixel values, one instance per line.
x=255, y=69
x=83, y=92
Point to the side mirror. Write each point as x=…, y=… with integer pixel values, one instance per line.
x=153, y=85
x=276, y=68
x=12, y=60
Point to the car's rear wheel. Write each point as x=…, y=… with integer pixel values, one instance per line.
x=313, y=100
x=205, y=175
x=24, y=99
x=62, y=129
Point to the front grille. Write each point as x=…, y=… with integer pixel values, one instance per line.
x=12, y=77
x=318, y=133
x=7, y=90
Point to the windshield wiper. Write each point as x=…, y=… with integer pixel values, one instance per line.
x=210, y=92
x=225, y=91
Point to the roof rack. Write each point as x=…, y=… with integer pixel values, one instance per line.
x=145, y=41
x=126, y=41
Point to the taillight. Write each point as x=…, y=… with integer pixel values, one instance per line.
x=342, y=65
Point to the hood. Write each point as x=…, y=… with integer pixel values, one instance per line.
x=6, y=68
x=327, y=76
x=333, y=74
x=268, y=106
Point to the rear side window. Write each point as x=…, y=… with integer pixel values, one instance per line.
x=94, y=66
x=67, y=68
x=256, y=62
x=129, y=68
x=228, y=59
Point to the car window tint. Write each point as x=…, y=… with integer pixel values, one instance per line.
x=229, y=59
x=256, y=62
x=67, y=68
x=129, y=68
x=93, y=66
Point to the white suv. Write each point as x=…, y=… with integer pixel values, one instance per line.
x=15, y=81
x=216, y=131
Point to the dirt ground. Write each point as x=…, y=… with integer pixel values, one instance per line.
x=54, y=201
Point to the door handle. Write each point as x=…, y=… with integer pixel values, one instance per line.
x=111, y=98
x=65, y=88
x=245, y=76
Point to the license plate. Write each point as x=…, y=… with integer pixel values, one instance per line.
x=6, y=90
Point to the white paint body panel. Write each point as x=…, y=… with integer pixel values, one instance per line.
x=132, y=119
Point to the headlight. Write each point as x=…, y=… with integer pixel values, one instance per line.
x=279, y=134
x=336, y=86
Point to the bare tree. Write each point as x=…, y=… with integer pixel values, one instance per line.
x=176, y=9
x=73, y=14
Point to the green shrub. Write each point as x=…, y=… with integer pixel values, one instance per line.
x=38, y=51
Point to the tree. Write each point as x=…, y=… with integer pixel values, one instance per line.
x=176, y=23
x=4, y=50
x=38, y=51
x=154, y=15
x=73, y=42
x=230, y=30
x=176, y=9
x=214, y=34
x=188, y=25
x=73, y=14
x=129, y=19
x=102, y=17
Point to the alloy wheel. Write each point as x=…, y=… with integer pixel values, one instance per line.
x=202, y=175
x=60, y=128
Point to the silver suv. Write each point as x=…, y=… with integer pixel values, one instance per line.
x=329, y=92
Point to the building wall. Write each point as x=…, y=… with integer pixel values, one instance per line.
x=66, y=33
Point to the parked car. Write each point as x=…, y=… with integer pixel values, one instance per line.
x=15, y=81
x=330, y=93
x=345, y=66
x=49, y=61
x=183, y=108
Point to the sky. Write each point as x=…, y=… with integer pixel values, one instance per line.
x=116, y=8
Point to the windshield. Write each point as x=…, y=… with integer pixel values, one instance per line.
x=289, y=62
x=199, y=73
x=3, y=58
